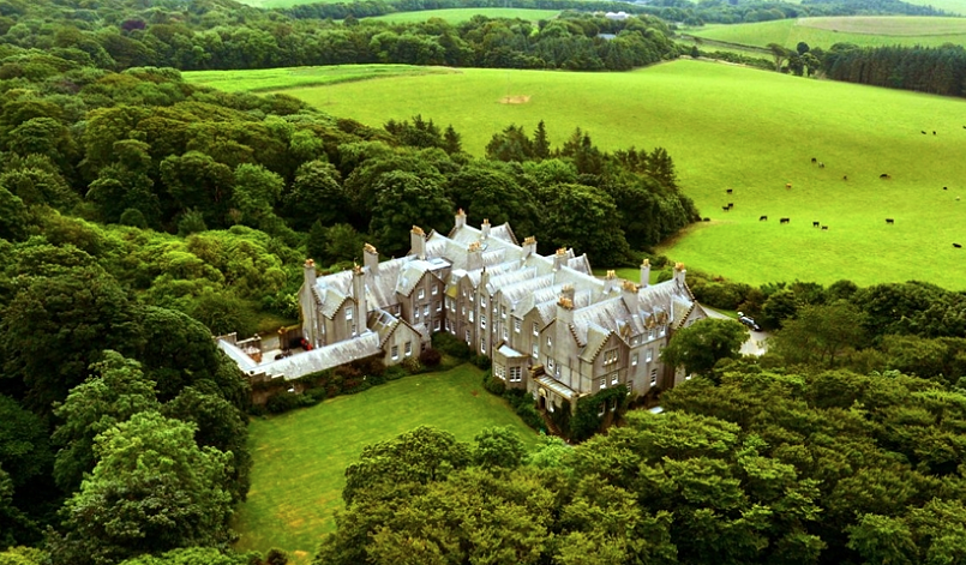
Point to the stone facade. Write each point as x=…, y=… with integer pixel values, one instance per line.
x=548, y=324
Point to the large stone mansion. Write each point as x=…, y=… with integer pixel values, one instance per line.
x=547, y=323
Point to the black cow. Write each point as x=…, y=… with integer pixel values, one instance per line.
x=934, y=132
x=890, y=221
x=884, y=176
x=705, y=219
x=763, y=219
x=731, y=205
x=815, y=224
x=945, y=188
x=845, y=177
x=784, y=220
x=814, y=160
x=924, y=133
x=730, y=190
x=725, y=208
x=956, y=245
x=824, y=228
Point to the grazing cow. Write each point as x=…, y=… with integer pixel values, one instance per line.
x=934, y=132
x=945, y=188
x=824, y=228
x=784, y=220
x=788, y=185
x=725, y=208
x=815, y=224
x=821, y=165
x=956, y=245
x=890, y=221
x=814, y=160
x=924, y=133
x=730, y=190
x=705, y=219
x=731, y=205
x=845, y=177
x=884, y=176
x=763, y=219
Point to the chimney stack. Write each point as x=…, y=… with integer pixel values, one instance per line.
x=309, y=273
x=359, y=294
x=485, y=228
x=460, y=218
x=610, y=282
x=559, y=259
x=474, y=256
x=371, y=259
x=529, y=246
x=679, y=274
x=417, y=238
x=568, y=292
x=645, y=273
x=629, y=296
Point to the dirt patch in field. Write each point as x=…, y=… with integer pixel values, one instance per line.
x=518, y=99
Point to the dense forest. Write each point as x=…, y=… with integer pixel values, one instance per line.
x=936, y=70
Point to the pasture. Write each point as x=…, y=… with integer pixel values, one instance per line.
x=827, y=31
x=258, y=80
x=749, y=130
x=459, y=15
x=300, y=457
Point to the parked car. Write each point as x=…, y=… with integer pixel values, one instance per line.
x=748, y=321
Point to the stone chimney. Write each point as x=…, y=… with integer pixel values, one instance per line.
x=610, y=282
x=371, y=259
x=417, y=238
x=562, y=332
x=568, y=292
x=309, y=272
x=359, y=295
x=645, y=273
x=679, y=274
x=485, y=228
x=559, y=259
x=460, y=219
x=529, y=246
x=474, y=256
x=629, y=296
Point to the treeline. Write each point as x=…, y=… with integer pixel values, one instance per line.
x=220, y=34
x=936, y=70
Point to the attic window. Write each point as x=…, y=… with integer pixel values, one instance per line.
x=422, y=293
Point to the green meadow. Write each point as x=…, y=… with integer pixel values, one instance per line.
x=827, y=31
x=300, y=457
x=458, y=15
x=257, y=80
x=752, y=131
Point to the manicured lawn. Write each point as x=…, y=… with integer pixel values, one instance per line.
x=827, y=31
x=300, y=457
x=459, y=15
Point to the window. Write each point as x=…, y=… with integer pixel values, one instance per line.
x=467, y=337
x=650, y=333
x=416, y=314
x=435, y=289
x=409, y=348
x=654, y=377
x=426, y=311
x=421, y=294
x=436, y=325
x=464, y=310
x=610, y=356
x=353, y=329
x=482, y=345
x=506, y=334
x=550, y=364
x=471, y=297
x=534, y=352
x=516, y=374
x=348, y=313
x=471, y=315
x=439, y=306
x=603, y=383
x=663, y=330
x=648, y=354
x=556, y=371
x=395, y=352
x=499, y=371
x=549, y=342
x=483, y=321
x=603, y=406
x=634, y=360
x=516, y=325
x=613, y=379
x=448, y=325
x=483, y=301
x=503, y=312
x=536, y=330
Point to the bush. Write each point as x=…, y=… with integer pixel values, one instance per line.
x=430, y=357
x=493, y=385
x=481, y=361
x=394, y=372
x=528, y=413
x=285, y=401
x=412, y=365
x=450, y=345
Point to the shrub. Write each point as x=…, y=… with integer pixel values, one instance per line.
x=394, y=372
x=493, y=385
x=481, y=361
x=528, y=413
x=430, y=357
x=285, y=401
x=450, y=345
x=412, y=365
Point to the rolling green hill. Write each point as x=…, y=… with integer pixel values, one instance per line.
x=752, y=131
x=825, y=32
x=458, y=15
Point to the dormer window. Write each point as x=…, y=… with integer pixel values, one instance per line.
x=348, y=313
x=421, y=294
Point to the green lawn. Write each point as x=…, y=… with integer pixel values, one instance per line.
x=300, y=457
x=459, y=15
x=286, y=77
x=827, y=31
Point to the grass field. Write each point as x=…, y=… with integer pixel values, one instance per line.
x=750, y=130
x=286, y=77
x=300, y=457
x=825, y=32
x=459, y=15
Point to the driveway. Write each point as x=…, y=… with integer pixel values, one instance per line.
x=756, y=344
